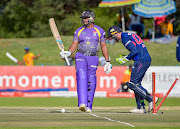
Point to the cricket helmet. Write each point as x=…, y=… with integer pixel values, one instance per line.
x=88, y=14
x=113, y=30
x=111, y=33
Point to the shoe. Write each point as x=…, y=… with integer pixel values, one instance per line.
x=88, y=110
x=82, y=107
x=141, y=111
x=151, y=104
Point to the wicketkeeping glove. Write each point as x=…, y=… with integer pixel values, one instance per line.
x=122, y=59
x=63, y=53
x=107, y=67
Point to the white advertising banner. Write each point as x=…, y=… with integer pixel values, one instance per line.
x=74, y=94
x=165, y=76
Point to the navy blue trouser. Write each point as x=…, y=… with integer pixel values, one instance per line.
x=138, y=71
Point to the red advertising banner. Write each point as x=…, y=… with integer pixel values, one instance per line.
x=25, y=94
x=55, y=77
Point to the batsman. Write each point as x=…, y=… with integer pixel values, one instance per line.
x=142, y=61
x=87, y=39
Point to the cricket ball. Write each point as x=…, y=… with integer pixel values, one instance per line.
x=63, y=110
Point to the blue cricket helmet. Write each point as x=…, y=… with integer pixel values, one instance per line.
x=113, y=30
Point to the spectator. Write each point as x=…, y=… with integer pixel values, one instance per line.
x=126, y=78
x=28, y=58
x=166, y=29
x=158, y=21
x=136, y=24
x=119, y=18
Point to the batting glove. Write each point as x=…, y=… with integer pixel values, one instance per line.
x=63, y=53
x=122, y=60
x=107, y=67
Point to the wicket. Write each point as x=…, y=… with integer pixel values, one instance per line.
x=155, y=110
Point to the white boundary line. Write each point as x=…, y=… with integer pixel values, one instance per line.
x=112, y=120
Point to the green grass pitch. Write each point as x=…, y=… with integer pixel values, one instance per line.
x=108, y=113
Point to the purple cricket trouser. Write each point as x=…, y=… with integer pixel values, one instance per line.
x=86, y=67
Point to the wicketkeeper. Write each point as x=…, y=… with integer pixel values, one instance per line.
x=142, y=61
x=88, y=38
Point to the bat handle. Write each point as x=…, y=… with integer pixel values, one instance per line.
x=67, y=61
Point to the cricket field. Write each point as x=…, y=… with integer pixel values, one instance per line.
x=108, y=113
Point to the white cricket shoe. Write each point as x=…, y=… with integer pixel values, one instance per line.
x=88, y=110
x=142, y=110
x=151, y=104
x=82, y=107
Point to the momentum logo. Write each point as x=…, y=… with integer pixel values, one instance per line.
x=35, y=81
x=38, y=77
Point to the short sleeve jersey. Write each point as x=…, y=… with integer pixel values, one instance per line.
x=89, y=39
x=166, y=28
x=28, y=59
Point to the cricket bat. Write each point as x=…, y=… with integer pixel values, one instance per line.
x=11, y=57
x=57, y=36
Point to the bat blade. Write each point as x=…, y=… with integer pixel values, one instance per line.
x=57, y=36
x=55, y=33
x=11, y=57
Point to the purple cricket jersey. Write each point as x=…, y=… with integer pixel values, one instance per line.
x=89, y=39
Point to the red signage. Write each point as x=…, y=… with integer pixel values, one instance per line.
x=55, y=77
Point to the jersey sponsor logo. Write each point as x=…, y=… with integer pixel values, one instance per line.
x=94, y=33
x=88, y=37
x=79, y=59
x=94, y=66
x=84, y=33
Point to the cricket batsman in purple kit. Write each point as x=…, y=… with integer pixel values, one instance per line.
x=87, y=40
x=142, y=61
